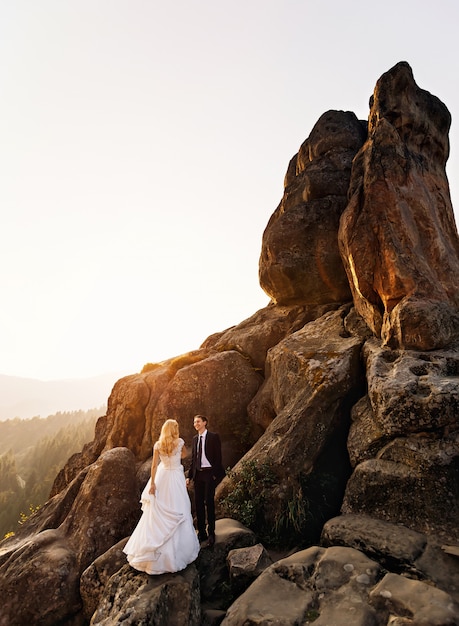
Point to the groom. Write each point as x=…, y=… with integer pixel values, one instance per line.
x=206, y=470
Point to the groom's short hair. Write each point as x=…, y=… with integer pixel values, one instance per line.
x=203, y=417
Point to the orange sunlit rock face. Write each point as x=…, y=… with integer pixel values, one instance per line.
x=398, y=237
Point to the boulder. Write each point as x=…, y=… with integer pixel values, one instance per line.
x=123, y=426
x=256, y=335
x=106, y=508
x=425, y=500
x=40, y=573
x=397, y=235
x=324, y=586
x=212, y=561
x=394, y=546
x=134, y=598
x=105, y=598
x=404, y=439
x=261, y=410
x=158, y=379
x=39, y=583
x=315, y=373
x=410, y=393
x=397, y=548
x=300, y=260
x=246, y=564
x=434, y=461
x=128, y=422
x=439, y=566
x=338, y=586
x=421, y=603
x=126, y=405
x=132, y=404
x=277, y=596
x=95, y=577
x=220, y=387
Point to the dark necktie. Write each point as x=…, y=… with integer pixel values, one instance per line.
x=198, y=464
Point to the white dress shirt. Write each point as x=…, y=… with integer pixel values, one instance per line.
x=204, y=460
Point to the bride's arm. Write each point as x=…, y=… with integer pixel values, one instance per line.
x=154, y=465
x=184, y=452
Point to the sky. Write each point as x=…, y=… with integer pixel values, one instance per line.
x=143, y=148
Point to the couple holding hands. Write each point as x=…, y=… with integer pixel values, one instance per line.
x=164, y=539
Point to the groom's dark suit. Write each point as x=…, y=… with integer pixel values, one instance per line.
x=213, y=452
x=205, y=481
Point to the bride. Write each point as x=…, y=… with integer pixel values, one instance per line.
x=164, y=540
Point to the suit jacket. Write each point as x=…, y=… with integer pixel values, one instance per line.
x=213, y=451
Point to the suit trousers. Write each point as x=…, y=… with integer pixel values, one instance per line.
x=204, y=496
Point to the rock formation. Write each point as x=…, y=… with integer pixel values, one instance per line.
x=40, y=567
x=338, y=585
x=337, y=405
x=300, y=260
x=397, y=235
x=313, y=377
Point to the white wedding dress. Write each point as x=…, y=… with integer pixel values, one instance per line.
x=164, y=540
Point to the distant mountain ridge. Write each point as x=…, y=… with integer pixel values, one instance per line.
x=29, y=397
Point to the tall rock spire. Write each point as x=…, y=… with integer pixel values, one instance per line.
x=398, y=237
x=300, y=261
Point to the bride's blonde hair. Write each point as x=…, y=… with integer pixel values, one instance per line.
x=169, y=437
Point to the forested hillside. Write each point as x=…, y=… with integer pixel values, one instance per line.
x=31, y=454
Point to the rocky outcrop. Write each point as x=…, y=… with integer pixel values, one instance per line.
x=397, y=549
x=212, y=564
x=116, y=593
x=398, y=236
x=338, y=586
x=313, y=377
x=218, y=384
x=424, y=499
x=300, y=261
x=338, y=418
x=404, y=439
x=245, y=565
x=40, y=572
x=94, y=579
x=265, y=329
x=221, y=379
x=137, y=598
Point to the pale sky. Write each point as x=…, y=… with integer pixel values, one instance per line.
x=143, y=147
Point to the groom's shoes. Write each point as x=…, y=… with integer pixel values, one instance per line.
x=207, y=542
